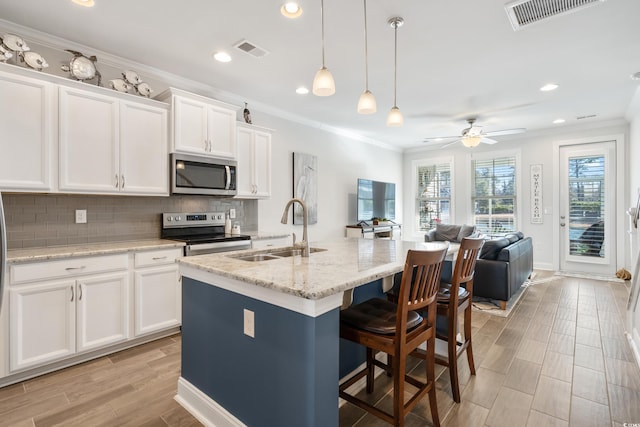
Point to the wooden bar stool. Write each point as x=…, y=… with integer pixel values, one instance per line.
x=397, y=329
x=454, y=298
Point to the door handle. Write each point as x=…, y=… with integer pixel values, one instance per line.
x=117, y=181
x=71, y=287
x=122, y=182
x=562, y=224
x=80, y=293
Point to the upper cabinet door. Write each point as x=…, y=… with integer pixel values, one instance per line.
x=222, y=131
x=27, y=117
x=262, y=163
x=244, y=174
x=143, y=149
x=190, y=126
x=88, y=142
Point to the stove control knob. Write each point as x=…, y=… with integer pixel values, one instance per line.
x=178, y=218
x=219, y=216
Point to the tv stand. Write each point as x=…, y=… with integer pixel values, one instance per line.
x=389, y=230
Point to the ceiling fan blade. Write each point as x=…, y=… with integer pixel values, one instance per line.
x=451, y=143
x=505, y=132
x=439, y=138
x=475, y=131
x=488, y=140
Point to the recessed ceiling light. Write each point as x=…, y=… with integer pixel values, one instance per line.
x=222, y=56
x=86, y=3
x=291, y=9
x=636, y=76
x=558, y=121
x=302, y=90
x=548, y=87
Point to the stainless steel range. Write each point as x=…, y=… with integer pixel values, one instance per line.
x=203, y=233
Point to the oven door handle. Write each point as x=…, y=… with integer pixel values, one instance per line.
x=227, y=171
x=219, y=246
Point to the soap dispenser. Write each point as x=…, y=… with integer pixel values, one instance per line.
x=227, y=225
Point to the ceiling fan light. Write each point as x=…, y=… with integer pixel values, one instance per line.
x=367, y=103
x=323, y=84
x=395, y=119
x=85, y=3
x=471, y=141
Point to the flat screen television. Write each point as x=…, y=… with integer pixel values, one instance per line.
x=376, y=199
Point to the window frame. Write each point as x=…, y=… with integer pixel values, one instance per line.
x=415, y=164
x=491, y=155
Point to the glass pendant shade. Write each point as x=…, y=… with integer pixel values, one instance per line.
x=471, y=141
x=323, y=84
x=395, y=119
x=367, y=103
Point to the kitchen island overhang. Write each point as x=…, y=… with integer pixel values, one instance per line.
x=288, y=373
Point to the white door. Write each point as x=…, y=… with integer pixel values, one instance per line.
x=587, y=208
x=190, y=126
x=143, y=149
x=88, y=142
x=244, y=175
x=103, y=310
x=157, y=298
x=42, y=324
x=262, y=163
x=26, y=120
x=222, y=131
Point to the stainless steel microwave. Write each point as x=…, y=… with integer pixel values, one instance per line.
x=192, y=174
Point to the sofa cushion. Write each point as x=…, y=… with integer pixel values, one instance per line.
x=447, y=232
x=520, y=234
x=465, y=231
x=492, y=248
x=512, y=238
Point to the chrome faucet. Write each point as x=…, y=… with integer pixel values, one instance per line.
x=304, y=243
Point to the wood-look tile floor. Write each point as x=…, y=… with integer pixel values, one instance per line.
x=560, y=359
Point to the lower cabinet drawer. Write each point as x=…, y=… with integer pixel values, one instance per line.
x=68, y=267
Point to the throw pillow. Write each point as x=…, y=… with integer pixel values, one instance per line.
x=492, y=248
x=512, y=238
x=465, y=231
x=447, y=232
x=520, y=234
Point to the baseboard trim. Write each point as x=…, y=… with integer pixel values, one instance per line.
x=634, y=348
x=203, y=408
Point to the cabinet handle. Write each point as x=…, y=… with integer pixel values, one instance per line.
x=71, y=287
x=117, y=180
x=80, y=293
x=122, y=182
x=157, y=258
x=75, y=268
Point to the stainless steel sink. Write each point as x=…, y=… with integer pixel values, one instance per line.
x=275, y=254
x=293, y=252
x=256, y=257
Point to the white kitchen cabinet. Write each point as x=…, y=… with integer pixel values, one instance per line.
x=157, y=291
x=111, y=146
x=102, y=313
x=27, y=120
x=201, y=125
x=254, y=162
x=64, y=307
x=42, y=324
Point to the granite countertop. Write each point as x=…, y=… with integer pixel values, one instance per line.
x=56, y=252
x=345, y=264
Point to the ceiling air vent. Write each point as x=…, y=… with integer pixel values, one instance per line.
x=526, y=12
x=250, y=48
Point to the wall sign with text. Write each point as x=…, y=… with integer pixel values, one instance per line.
x=536, y=194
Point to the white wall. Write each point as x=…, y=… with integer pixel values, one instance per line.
x=341, y=161
x=534, y=148
x=633, y=115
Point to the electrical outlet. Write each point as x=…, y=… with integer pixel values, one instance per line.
x=232, y=213
x=249, y=326
x=81, y=216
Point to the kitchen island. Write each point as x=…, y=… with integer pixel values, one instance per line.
x=260, y=339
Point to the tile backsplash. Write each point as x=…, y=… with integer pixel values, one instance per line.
x=41, y=220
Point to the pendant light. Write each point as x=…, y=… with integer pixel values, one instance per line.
x=367, y=102
x=323, y=84
x=395, y=119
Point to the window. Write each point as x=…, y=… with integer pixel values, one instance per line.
x=433, y=195
x=494, y=198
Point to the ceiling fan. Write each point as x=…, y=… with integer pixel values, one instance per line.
x=473, y=135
